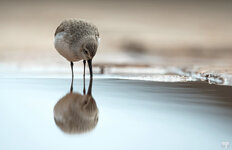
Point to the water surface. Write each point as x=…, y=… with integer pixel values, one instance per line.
x=132, y=115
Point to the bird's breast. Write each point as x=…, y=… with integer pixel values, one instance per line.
x=63, y=47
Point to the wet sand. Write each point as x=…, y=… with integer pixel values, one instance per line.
x=193, y=37
x=132, y=115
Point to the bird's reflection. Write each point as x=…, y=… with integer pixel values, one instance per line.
x=76, y=113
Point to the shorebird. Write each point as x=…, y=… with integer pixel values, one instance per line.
x=76, y=113
x=77, y=40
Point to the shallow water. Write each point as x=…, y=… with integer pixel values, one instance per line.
x=132, y=115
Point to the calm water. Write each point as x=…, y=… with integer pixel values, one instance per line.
x=127, y=115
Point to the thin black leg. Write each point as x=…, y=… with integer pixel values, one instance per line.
x=71, y=88
x=84, y=62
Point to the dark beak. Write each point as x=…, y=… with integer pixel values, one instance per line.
x=90, y=67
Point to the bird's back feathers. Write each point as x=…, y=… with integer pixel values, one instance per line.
x=77, y=29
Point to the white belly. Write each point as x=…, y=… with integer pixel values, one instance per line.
x=64, y=49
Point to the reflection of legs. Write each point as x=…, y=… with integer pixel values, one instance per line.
x=71, y=88
x=84, y=62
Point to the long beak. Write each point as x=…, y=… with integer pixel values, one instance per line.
x=90, y=67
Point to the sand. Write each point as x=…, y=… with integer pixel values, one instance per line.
x=193, y=36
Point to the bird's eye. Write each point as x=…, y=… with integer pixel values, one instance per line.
x=86, y=52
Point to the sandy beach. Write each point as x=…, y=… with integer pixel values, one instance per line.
x=193, y=36
x=162, y=76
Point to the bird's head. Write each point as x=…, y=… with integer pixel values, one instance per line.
x=89, y=48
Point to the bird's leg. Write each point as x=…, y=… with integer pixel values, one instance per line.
x=84, y=62
x=71, y=88
x=90, y=67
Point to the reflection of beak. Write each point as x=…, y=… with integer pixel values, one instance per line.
x=90, y=87
x=90, y=67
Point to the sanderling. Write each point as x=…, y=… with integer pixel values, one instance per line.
x=77, y=40
x=76, y=113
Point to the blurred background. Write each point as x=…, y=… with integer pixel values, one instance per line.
x=154, y=40
x=137, y=33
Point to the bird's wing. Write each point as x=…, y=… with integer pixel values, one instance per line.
x=59, y=29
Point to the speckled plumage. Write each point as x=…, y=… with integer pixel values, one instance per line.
x=74, y=34
x=76, y=30
x=77, y=40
